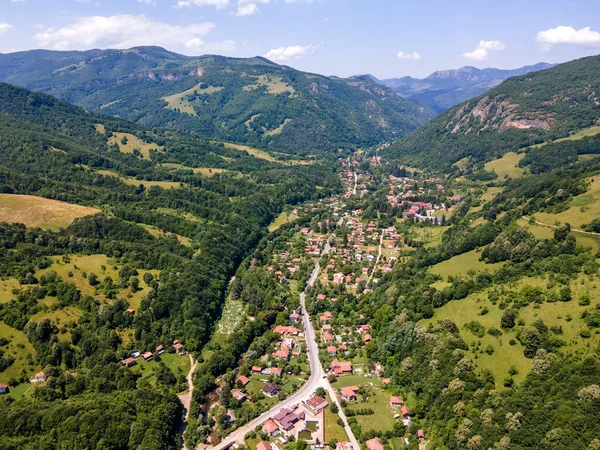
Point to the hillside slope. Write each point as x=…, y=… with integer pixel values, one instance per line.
x=446, y=88
x=530, y=109
x=249, y=100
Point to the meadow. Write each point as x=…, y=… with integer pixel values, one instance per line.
x=180, y=101
x=507, y=166
x=133, y=143
x=39, y=212
x=461, y=265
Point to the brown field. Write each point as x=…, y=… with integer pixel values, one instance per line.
x=40, y=212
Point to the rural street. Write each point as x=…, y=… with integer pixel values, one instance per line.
x=316, y=373
x=186, y=397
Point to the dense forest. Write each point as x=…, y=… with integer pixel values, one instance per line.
x=251, y=100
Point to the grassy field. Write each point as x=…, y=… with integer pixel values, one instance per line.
x=584, y=208
x=146, y=184
x=261, y=154
x=6, y=288
x=157, y=232
x=180, y=101
x=383, y=417
x=206, y=171
x=233, y=314
x=462, y=264
x=40, y=212
x=430, y=236
x=586, y=132
x=274, y=85
x=279, y=129
x=19, y=348
x=507, y=166
x=282, y=219
x=60, y=317
x=332, y=429
x=505, y=355
x=133, y=142
x=179, y=365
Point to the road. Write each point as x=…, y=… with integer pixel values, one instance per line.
x=355, y=183
x=378, y=258
x=316, y=373
x=186, y=397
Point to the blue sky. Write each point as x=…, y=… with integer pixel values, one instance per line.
x=388, y=38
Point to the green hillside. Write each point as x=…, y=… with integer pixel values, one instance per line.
x=522, y=111
x=93, y=227
x=252, y=100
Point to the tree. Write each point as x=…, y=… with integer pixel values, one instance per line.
x=508, y=318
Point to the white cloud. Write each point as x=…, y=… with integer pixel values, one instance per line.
x=145, y=2
x=413, y=55
x=121, y=31
x=198, y=45
x=281, y=54
x=482, y=49
x=567, y=35
x=249, y=7
x=4, y=27
x=186, y=3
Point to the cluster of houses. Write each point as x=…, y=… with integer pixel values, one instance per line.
x=149, y=356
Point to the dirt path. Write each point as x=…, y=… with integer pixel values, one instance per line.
x=378, y=258
x=186, y=397
x=575, y=230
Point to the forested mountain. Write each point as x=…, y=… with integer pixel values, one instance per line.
x=531, y=109
x=252, y=100
x=163, y=246
x=443, y=89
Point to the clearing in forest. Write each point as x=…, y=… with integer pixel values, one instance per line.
x=18, y=348
x=507, y=166
x=274, y=85
x=206, y=171
x=128, y=143
x=282, y=219
x=181, y=101
x=39, y=212
x=145, y=183
x=460, y=265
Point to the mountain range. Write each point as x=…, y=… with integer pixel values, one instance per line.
x=246, y=100
x=446, y=88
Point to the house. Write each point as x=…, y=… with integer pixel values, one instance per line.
x=159, y=350
x=349, y=393
x=3, y=388
x=286, y=419
x=367, y=338
x=332, y=350
x=178, y=346
x=286, y=330
x=270, y=428
x=420, y=434
x=282, y=354
x=230, y=416
x=277, y=371
x=321, y=297
x=243, y=380
x=404, y=411
x=374, y=444
x=341, y=368
x=316, y=404
x=294, y=317
x=147, y=356
x=256, y=369
x=343, y=446
x=386, y=380
x=271, y=389
x=262, y=445
x=126, y=362
x=339, y=278
x=364, y=328
x=238, y=395
x=130, y=311
x=328, y=337
x=396, y=402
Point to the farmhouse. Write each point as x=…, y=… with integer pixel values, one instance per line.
x=341, y=368
x=271, y=389
x=243, y=380
x=396, y=402
x=349, y=393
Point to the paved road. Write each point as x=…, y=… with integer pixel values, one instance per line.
x=316, y=373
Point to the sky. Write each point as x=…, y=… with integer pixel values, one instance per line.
x=387, y=38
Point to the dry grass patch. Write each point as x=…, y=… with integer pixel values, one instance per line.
x=19, y=348
x=133, y=143
x=41, y=212
x=145, y=183
x=507, y=166
x=261, y=154
x=180, y=101
x=274, y=85
x=279, y=129
x=6, y=288
x=157, y=232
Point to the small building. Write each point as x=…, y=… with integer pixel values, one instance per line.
x=282, y=354
x=316, y=404
x=396, y=402
x=128, y=362
x=243, y=380
x=332, y=350
x=328, y=337
x=3, y=388
x=178, y=346
x=262, y=445
x=230, y=416
x=341, y=367
x=386, y=380
x=271, y=389
x=420, y=434
x=159, y=350
x=276, y=371
x=238, y=395
x=256, y=369
x=343, y=446
x=404, y=411
x=270, y=428
x=367, y=338
x=147, y=356
x=349, y=393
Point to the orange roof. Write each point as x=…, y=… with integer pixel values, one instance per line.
x=269, y=426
